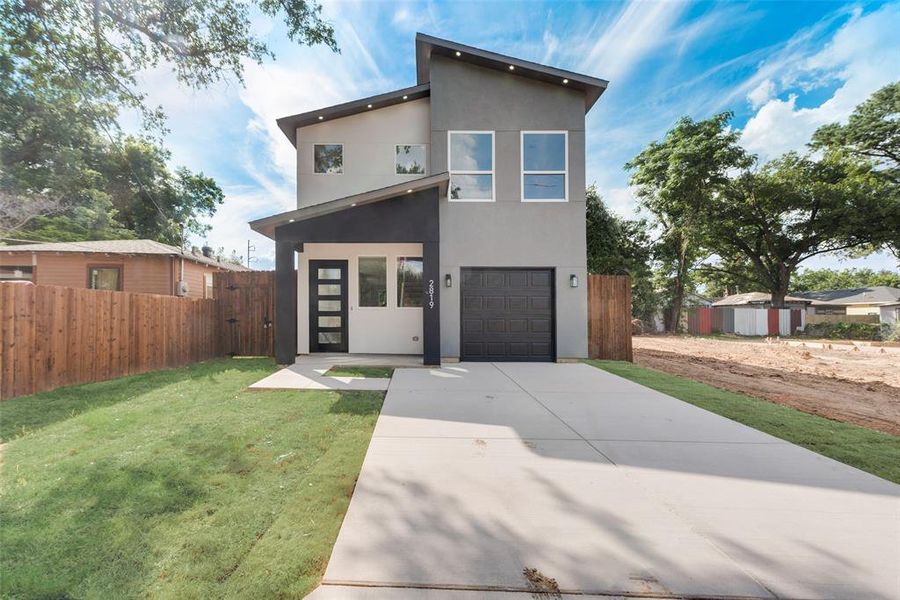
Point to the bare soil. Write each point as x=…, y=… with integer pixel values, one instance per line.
x=845, y=383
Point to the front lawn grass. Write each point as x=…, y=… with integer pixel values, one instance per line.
x=382, y=372
x=872, y=451
x=177, y=484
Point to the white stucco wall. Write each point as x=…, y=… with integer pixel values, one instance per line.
x=372, y=330
x=369, y=141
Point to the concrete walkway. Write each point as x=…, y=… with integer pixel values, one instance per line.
x=478, y=471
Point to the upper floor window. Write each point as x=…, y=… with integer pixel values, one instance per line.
x=471, y=165
x=545, y=165
x=328, y=158
x=410, y=159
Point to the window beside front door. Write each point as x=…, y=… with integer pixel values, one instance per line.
x=545, y=164
x=372, y=281
x=471, y=165
x=105, y=278
x=409, y=282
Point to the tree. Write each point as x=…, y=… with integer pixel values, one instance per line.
x=795, y=208
x=872, y=132
x=834, y=279
x=617, y=246
x=98, y=47
x=675, y=180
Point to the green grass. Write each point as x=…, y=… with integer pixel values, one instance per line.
x=868, y=450
x=177, y=484
x=383, y=372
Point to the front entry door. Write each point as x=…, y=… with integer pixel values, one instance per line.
x=328, y=306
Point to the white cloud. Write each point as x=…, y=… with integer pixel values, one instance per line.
x=638, y=29
x=621, y=201
x=862, y=55
x=761, y=93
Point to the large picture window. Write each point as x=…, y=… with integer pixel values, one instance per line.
x=328, y=158
x=409, y=282
x=105, y=278
x=545, y=164
x=471, y=165
x=410, y=159
x=372, y=281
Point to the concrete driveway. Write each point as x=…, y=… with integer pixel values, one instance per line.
x=477, y=471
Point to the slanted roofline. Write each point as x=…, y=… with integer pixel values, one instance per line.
x=266, y=226
x=426, y=46
x=290, y=124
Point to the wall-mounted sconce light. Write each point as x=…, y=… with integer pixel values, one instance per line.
x=448, y=281
x=573, y=280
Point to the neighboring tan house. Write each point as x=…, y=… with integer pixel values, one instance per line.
x=445, y=219
x=854, y=301
x=142, y=266
x=760, y=300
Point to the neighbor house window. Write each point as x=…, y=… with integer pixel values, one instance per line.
x=409, y=282
x=105, y=278
x=208, y=285
x=471, y=165
x=410, y=159
x=372, y=281
x=831, y=310
x=10, y=273
x=544, y=166
x=328, y=158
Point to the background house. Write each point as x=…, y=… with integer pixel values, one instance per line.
x=142, y=266
x=760, y=300
x=854, y=301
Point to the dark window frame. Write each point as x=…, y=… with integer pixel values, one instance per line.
x=119, y=266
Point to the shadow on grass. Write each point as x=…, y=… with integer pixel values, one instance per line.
x=23, y=415
x=357, y=403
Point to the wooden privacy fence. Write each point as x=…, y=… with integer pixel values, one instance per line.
x=54, y=336
x=609, y=317
x=246, y=302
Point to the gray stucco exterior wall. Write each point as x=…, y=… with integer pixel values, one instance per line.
x=509, y=232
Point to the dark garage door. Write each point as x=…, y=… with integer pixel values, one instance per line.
x=507, y=314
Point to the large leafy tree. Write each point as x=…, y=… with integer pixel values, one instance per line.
x=794, y=208
x=617, y=246
x=675, y=180
x=67, y=69
x=836, y=279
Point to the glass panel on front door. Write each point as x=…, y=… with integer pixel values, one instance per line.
x=328, y=306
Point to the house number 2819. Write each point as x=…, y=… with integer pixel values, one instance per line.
x=431, y=293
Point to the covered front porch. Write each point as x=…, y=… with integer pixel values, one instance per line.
x=325, y=256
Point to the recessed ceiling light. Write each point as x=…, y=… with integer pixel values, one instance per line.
x=321, y=117
x=565, y=81
x=368, y=106
x=512, y=67
x=409, y=191
x=290, y=220
x=405, y=97
x=352, y=205
x=458, y=53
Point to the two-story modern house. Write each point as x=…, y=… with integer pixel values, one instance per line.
x=445, y=219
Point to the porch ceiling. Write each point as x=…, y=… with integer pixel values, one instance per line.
x=266, y=226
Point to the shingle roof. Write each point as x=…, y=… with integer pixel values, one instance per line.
x=879, y=294
x=753, y=298
x=121, y=247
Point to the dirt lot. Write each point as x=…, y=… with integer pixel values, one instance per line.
x=858, y=386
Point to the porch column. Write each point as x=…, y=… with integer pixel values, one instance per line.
x=285, y=303
x=431, y=305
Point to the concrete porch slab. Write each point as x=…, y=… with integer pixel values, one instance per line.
x=308, y=372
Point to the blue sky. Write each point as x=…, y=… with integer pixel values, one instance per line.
x=784, y=68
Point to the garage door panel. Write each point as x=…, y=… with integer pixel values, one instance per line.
x=507, y=314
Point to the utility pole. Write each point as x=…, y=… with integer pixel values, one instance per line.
x=250, y=248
